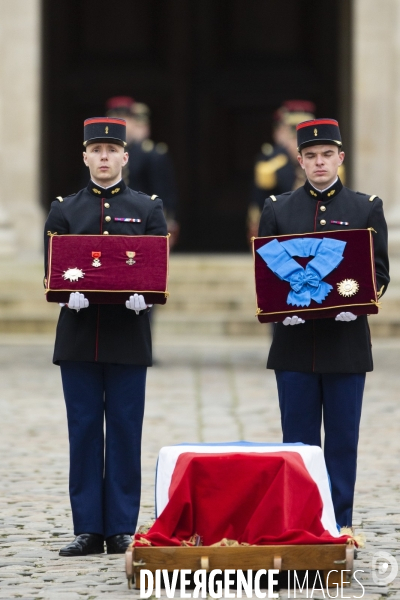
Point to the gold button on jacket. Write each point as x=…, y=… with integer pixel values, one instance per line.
x=323, y=208
x=106, y=205
x=323, y=222
x=105, y=232
x=108, y=219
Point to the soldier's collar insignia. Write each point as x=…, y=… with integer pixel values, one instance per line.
x=325, y=195
x=333, y=190
x=109, y=192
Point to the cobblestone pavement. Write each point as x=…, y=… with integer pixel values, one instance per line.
x=202, y=390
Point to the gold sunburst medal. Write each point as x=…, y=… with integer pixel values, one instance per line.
x=348, y=287
x=73, y=274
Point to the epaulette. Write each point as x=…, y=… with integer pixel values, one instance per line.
x=265, y=171
x=61, y=199
x=274, y=198
x=153, y=197
x=370, y=198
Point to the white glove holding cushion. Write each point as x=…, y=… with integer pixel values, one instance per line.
x=77, y=301
x=293, y=321
x=137, y=303
x=345, y=316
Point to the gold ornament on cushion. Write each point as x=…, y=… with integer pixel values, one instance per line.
x=348, y=287
x=130, y=256
x=73, y=274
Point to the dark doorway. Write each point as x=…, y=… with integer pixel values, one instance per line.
x=212, y=71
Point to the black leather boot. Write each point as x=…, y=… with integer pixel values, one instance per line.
x=84, y=544
x=117, y=544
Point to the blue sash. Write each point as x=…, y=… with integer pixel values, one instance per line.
x=306, y=283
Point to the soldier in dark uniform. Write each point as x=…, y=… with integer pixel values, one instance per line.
x=276, y=168
x=150, y=167
x=103, y=352
x=321, y=364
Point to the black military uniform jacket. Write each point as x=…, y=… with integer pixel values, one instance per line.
x=150, y=169
x=274, y=173
x=326, y=345
x=107, y=333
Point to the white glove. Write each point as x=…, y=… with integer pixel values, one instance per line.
x=77, y=301
x=136, y=303
x=293, y=321
x=345, y=316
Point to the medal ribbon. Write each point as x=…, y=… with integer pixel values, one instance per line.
x=306, y=283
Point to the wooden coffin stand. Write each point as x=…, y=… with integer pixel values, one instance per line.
x=322, y=557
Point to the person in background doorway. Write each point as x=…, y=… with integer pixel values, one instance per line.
x=276, y=168
x=149, y=169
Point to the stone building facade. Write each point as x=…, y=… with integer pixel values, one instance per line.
x=375, y=109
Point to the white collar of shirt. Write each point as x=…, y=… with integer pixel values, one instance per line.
x=105, y=188
x=327, y=188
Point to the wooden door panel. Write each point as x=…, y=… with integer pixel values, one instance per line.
x=212, y=71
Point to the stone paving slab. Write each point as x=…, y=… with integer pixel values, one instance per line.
x=202, y=390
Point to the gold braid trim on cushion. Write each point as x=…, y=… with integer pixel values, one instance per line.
x=358, y=539
x=145, y=528
x=229, y=543
x=195, y=540
x=141, y=540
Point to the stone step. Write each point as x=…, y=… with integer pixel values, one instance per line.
x=242, y=324
x=213, y=324
x=211, y=295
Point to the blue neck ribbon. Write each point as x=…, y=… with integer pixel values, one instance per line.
x=306, y=283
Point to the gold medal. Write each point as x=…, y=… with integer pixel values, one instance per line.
x=348, y=287
x=130, y=256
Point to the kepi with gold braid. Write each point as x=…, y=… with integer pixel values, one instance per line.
x=318, y=131
x=104, y=129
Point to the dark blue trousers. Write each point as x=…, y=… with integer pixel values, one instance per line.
x=105, y=471
x=307, y=398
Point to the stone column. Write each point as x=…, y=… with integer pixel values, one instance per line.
x=376, y=103
x=20, y=215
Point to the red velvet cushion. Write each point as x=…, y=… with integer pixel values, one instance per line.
x=358, y=264
x=114, y=280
